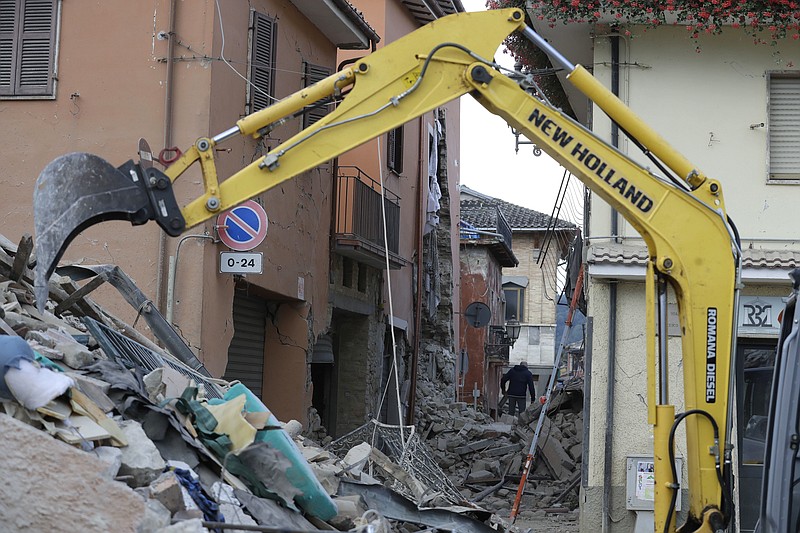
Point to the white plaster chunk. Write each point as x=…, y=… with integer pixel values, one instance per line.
x=356, y=458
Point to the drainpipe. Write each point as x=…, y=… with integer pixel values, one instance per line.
x=173, y=275
x=412, y=400
x=162, y=237
x=612, y=318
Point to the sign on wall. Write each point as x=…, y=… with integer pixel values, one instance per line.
x=243, y=227
x=760, y=314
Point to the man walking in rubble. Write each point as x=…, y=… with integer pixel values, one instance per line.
x=520, y=382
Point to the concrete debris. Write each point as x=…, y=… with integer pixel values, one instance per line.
x=484, y=457
x=124, y=448
x=141, y=461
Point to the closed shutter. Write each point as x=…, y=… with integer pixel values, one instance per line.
x=311, y=75
x=246, y=351
x=784, y=127
x=394, y=150
x=262, y=62
x=8, y=16
x=27, y=47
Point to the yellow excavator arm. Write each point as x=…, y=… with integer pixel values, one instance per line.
x=690, y=243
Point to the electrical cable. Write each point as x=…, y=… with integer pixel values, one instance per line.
x=222, y=56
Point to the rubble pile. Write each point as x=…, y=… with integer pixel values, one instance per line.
x=104, y=430
x=484, y=458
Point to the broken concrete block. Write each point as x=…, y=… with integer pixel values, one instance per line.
x=140, y=458
x=576, y=451
x=156, y=517
x=350, y=508
x=112, y=457
x=328, y=476
x=41, y=474
x=479, y=476
x=474, y=446
x=167, y=489
x=229, y=505
x=234, y=514
x=293, y=428
x=21, y=322
x=154, y=386
x=40, y=338
x=356, y=458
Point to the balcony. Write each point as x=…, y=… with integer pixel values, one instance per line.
x=359, y=220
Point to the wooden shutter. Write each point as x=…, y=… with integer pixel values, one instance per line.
x=262, y=62
x=311, y=75
x=784, y=127
x=8, y=19
x=27, y=47
x=394, y=149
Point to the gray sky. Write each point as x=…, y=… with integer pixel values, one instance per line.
x=488, y=163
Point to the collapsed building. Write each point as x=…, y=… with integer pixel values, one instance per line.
x=107, y=429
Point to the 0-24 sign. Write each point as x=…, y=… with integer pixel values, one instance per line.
x=241, y=263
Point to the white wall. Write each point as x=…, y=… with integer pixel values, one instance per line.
x=703, y=104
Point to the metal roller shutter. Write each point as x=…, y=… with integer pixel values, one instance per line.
x=246, y=351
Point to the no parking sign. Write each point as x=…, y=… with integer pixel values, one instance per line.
x=243, y=227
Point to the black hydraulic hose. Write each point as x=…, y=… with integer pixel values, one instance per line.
x=725, y=489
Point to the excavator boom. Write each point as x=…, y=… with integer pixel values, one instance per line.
x=683, y=223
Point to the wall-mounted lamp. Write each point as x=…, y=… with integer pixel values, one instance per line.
x=513, y=328
x=504, y=336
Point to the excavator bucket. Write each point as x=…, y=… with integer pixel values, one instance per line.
x=78, y=190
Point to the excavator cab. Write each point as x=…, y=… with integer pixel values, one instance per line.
x=780, y=491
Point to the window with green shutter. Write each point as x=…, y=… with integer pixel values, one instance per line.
x=27, y=47
x=784, y=126
x=263, y=42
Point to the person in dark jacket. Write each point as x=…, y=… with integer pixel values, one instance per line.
x=520, y=382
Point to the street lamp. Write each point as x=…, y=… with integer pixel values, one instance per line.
x=513, y=329
x=504, y=336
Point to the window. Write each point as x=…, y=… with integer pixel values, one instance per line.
x=394, y=150
x=784, y=126
x=261, y=89
x=515, y=299
x=311, y=75
x=27, y=47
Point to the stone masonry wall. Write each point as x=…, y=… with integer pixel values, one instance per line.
x=437, y=344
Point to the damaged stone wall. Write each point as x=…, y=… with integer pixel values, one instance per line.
x=360, y=339
x=437, y=344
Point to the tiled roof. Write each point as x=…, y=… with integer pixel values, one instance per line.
x=637, y=256
x=426, y=11
x=479, y=210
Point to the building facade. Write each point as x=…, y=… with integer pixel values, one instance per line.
x=724, y=108
x=75, y=77
x=528, y=288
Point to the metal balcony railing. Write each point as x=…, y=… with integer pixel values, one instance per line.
x=359, y=218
